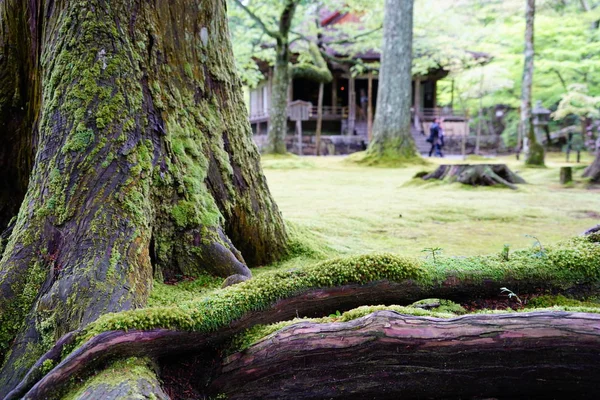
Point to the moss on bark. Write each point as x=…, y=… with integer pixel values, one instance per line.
x=144, y=166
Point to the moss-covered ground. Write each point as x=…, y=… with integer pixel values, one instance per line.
x=351, y=209
x=349, y=224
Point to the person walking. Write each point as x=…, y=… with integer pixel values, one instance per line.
x=434, y=137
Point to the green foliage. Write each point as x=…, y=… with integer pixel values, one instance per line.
x=567, y=52
x=433, y=252
x=560, y=300
x=537, y=245
x=505, y=252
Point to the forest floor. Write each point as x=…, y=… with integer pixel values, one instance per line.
x=335, y=208
x=351, y=209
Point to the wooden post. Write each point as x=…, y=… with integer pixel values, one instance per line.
x=480, y=120
x=319, y=118
x=520, y=136
x=351, y=105
x=479, y=127
x=452, y=96
x=465, y=134
x=299, y=130
x=370, y=108
x=417, y=105
x=334, y=87
x=566, y=175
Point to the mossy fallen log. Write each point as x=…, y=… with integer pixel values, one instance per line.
x=572, y=268
x=386, y=355
x=477, y=175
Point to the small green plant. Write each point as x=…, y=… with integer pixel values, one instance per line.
x=537, y=245
x=511, y=294
x=337, y=315
x=434, y=251
x=505, y=252
x=47, y=366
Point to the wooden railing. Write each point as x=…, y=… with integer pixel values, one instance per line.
x=430, y=113
x=330, y=112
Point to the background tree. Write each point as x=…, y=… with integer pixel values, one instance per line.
x=283, y=71
x=131, y=130
x=392, y=138
x=534, y=152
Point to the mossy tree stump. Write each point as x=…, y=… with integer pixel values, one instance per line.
x=477, y=175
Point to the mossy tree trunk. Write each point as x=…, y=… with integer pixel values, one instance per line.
x=392, y=138
x=126, y=119
x=534, y=150
x=278, y=114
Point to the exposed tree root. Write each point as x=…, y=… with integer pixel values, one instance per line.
x=311, y=303
x=593, y=171
x=386, y=355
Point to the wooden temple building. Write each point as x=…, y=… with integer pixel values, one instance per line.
x=347, y=101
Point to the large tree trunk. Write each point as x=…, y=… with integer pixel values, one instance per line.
x=534, y=152
x=392, y=138
x=144, y=165
x=386, y=355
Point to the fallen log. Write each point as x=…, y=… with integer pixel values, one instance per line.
x=386, y=355
x=156, y=343
x=477, y=175
x=342, y=284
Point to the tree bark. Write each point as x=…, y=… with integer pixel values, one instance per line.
x=534, y=152
x=144, y=165
x=392, y=136
x=593, y=171
x=319, y=119
x=386, y=355
x=278, y=115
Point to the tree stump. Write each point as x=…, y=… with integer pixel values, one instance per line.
x=593, y=171
x=477, y=175
x=566, y=175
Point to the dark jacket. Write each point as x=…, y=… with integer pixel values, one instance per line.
x=434, y=133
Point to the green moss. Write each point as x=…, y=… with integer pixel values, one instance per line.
x=567, y=264
x=388, y=158
x=441, y=305
x=47, y=366
x=130, y=371
x=253, y=335
x=560, y=300
x=186, y=290
x=13, y=313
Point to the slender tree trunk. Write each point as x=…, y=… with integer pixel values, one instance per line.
x=391, y=131
x=278, y=115
x=143, y=167
x=370, y=107
x=534, y=152
x=319, y=118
